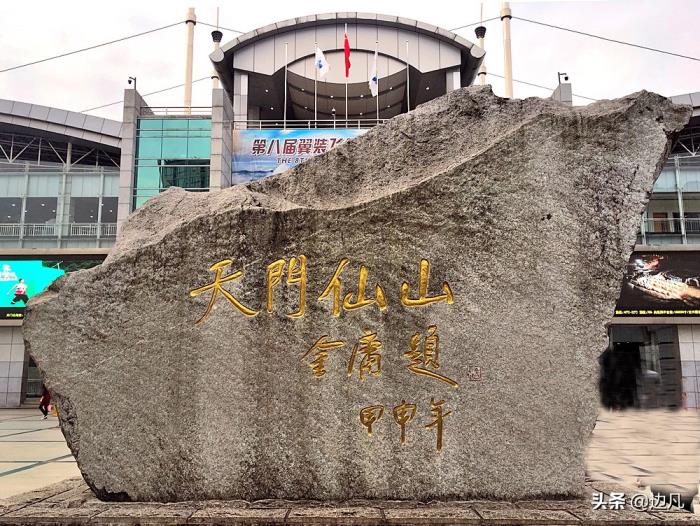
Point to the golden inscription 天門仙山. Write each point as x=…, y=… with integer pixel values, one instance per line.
x=296, y=274
x=216, y=288
x=347, y=302
x=423, y=298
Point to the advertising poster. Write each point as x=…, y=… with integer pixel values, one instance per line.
x=259, y=153
x=661, y=284
x=19, y=281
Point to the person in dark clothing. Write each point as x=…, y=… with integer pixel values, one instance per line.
x=44, y=402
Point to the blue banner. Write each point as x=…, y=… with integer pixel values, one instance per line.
x=259, y=153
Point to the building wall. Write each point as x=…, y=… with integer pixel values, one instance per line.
x=689, y=342
x=12, y=366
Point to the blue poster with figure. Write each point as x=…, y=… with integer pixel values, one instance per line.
x=19, y=281
x=259, y=153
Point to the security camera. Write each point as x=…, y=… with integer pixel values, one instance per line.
x=129, y=81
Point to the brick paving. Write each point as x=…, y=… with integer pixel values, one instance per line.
x=647, y=449
x=71, y=502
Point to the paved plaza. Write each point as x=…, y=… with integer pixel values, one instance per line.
x=33, y=452
x=633, y=448
x=647, y=449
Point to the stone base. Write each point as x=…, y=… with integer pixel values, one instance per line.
x=72, y=502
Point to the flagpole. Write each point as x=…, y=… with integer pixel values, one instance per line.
x=376, y=49
x=285, y=86
x=315, y=82
x=346, y=83
x=408, y=81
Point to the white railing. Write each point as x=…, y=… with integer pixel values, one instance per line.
x=52, y=230
x=83, y=229
x=175, y=111
x=40, y=230
x=108, y=230
x=10, y=230
x=326, y=124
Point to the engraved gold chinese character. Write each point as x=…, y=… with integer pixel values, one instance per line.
x=403, y=414
x=423, y=298
x=348, y=302
x=436, y=409
x=296, y=274
x=368, y=348
x=321, y=348
x=216, y=288
x=370, y=415
x=428, y=357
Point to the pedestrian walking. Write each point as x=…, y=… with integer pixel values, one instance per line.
x=44, y=402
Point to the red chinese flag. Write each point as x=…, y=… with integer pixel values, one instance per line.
x=347, y=56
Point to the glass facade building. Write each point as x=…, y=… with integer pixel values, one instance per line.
x=56, y=194
x=171, y=151
x=673, y=213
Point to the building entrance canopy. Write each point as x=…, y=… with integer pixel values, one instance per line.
x=428, y=59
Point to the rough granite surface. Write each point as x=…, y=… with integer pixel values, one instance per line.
x=527, y=209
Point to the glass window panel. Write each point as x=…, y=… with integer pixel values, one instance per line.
x=174, y=148
x=191, y=177
x=83, y=209
x=109, y=209
x=11, y=183
x=147, y=178
x=198, y=148
x=690, y=175
x=175, y=127
x=200, y=124
x=150, y=148
x=44, y=183
x=40, y=210
x=142, y=196
x=150, y=124
x=111, y=184
x=85, y=184
x=10, y=209
x=666, y=181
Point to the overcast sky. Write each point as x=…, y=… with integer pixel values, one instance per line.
x=597, y=69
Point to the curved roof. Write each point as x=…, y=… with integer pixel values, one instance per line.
x=53, y=122
x=222, y=58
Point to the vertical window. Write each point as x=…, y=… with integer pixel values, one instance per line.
x=40, y=210
x=109, y=209
x=10, y=209
x=83, y=209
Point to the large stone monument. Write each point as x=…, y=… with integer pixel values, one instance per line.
x=415, y=315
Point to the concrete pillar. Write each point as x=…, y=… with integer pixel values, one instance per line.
x=506, y=15
x=563, y=94
x=221, y=140
x=134, y=105
x=240, y=98
x=453, y=80
x=190, y=22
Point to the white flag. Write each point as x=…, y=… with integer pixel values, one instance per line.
x=374, y=78
x=321, y=64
